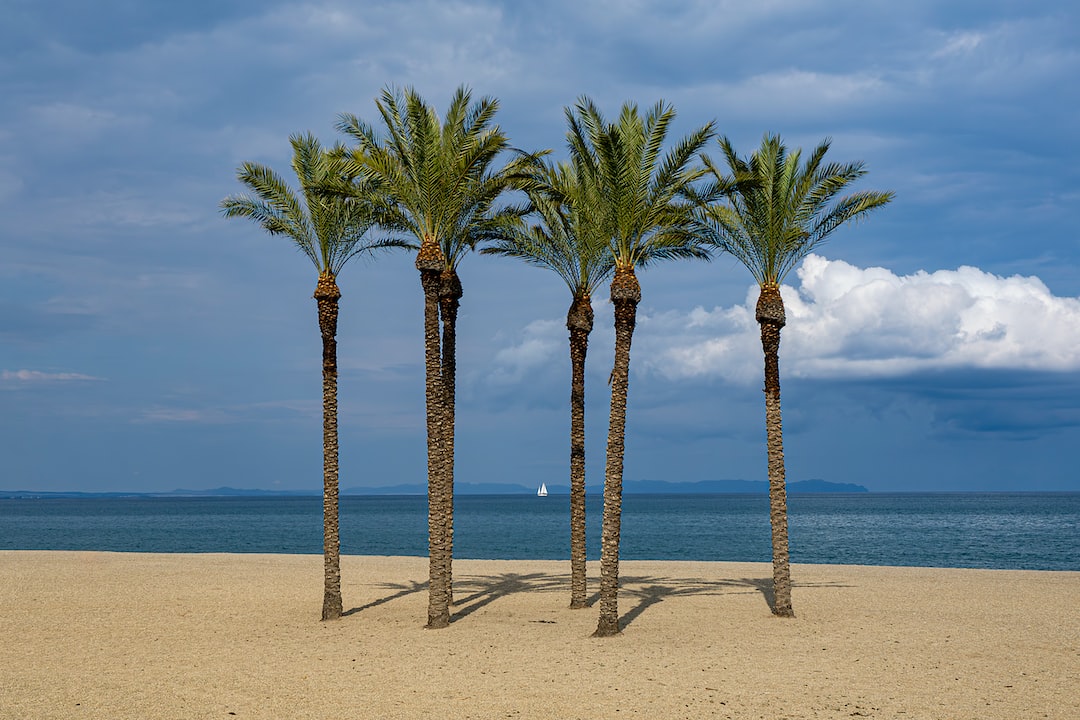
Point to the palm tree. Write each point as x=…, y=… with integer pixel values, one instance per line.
x=565, y=241
x=779, y=212
x=645, y=211
x=329, y=231
x=442, y=189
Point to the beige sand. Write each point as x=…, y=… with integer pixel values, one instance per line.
x=101, y=635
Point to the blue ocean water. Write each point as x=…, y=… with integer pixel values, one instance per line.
x=1039, y=531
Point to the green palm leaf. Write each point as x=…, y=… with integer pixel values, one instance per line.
x=783, y=208
x=329, y=229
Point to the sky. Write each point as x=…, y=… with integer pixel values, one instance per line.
x=148, y=344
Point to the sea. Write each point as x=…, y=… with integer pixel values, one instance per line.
x=1036, y=531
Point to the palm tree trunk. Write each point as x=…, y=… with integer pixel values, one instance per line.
x=430, y=263
x=771, y=316
x=579, y=321
x=625, y=295
x=327, y=295
x=449, y=301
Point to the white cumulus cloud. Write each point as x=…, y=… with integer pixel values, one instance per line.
x=870, y=322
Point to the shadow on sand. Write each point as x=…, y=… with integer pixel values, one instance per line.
x=478, y=591
x=403, y=589
x=473, y=592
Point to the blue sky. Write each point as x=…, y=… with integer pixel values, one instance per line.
x=148, y=344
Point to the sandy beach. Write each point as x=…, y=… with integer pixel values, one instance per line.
x=106, y=635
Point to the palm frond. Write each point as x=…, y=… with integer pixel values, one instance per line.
x=328, y=225
x=779, y=208
x=561, y=237
x=439, y=178
x=644, y=203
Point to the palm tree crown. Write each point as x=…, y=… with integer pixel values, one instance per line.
x=439, y=176
x=647, y=202
x=563, y=239
x=784, y=209
x=329, y=230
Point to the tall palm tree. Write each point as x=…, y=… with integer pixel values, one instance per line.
x=646, y=213
x=330, y=231
x=781, y=209
x=565, y=241
x=442, y=185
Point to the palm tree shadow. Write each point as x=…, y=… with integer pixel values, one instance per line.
x=486, y=589
x=478, y=591
x=763, y=586
x=403, y=590
x=650, y=591
x=647, y=596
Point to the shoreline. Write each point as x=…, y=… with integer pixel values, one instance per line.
x=560, y=561
x=983, y=530
x=156, y=635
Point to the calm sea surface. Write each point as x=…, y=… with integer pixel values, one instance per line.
x=1039, y=531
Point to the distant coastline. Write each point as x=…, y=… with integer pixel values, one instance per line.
x=1030, y=531
x=632, y=487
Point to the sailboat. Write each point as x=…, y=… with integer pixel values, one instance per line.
x=542, y=490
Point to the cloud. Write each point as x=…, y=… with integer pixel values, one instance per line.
x=119, y=210
x=10, y=379
x=1012, y=405
x=1013, y=57
x=846, y=321
x=701, y=343
x=532, y=369
x=210, y=415
x=75, y=122
x=960, y=43
x=808, y=92
x=177, y=415
x=541, y=342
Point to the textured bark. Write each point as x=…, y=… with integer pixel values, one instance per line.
x=429, y=263
x=327, y=295
x=770, y=306
x=625, y=295
x=579, y=321
x=430, y=257
x=450, y=294
x=771, y=316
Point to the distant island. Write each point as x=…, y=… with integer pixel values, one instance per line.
x=630, y=487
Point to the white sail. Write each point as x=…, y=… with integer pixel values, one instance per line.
x=542, y=491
